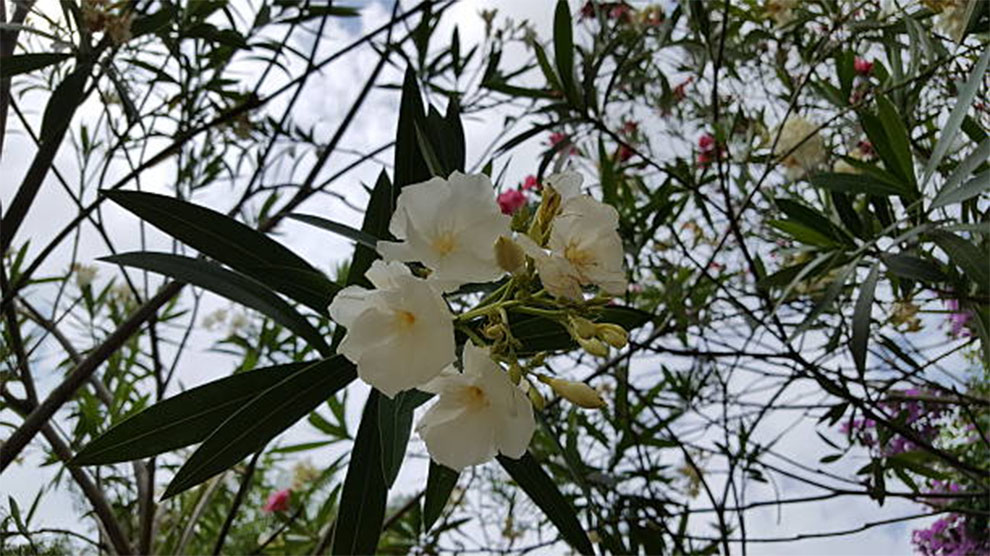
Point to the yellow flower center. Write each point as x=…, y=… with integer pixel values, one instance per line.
x=405, y=319
x=474, y=397
x=443, y=243
x=578, y=257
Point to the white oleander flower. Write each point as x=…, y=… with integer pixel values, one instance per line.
x=480, y=413
x=584, y=249
x=805, y=157
x=401, y=334
x=451, y=226
x=951, y=18
x=781, y=11
x=85, y=274
x=567, y=184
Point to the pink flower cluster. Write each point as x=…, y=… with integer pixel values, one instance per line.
x=949, y=536
x=278, y=501
x=709, y=150
x=922, y=417
x=511, y=200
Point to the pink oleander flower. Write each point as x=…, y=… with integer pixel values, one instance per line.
x=862, y=66
x=557, y=137
x=704, y=159
x=625, y=153
x=278, y=501
x=706, y=142
x=510, y=201
x=530, y=183
x=866, y=148
x=630, y=127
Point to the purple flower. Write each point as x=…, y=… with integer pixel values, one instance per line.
x=958, y=319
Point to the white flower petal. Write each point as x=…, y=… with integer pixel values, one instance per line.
x=450, y=226
x=458, y=443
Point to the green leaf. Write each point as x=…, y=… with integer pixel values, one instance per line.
x=235, y=244
x=970, y=258
x=913, y=268
x=26, y=63
x=861, y=319
x=961, y=172
x=181, y=420
x=440, y=482
x=802, y=233
x=395, y=425
x=563, y=51
x=542, y=489
x=231, y=285
x=358, y=236
x=900, y=142
x=62, y=104
x=854, y=183
x=256, y=422
x=409, y=164
x=813, y=220
x=833, y=291
x=972, y=188
x=364, y=494
x=963, y=102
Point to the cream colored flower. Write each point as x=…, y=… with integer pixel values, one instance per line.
x=480, y=413
x=801, y=136
x=449, y=225
x=781, y=11
x=584, y=249
x=951, y=18
x=401, y=334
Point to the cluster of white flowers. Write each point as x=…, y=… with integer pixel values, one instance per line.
x=400, y=334
x=801, y=145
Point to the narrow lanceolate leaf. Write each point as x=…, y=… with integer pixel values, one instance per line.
x=542, y=489
x=26, y=63
x=409, y=164
x=232, y=243
x=563, y=51
x=395, y=425
x=823, y=304
x=913, y=268
x=861, y=318
x=970, y=258
x=963, y=102
x=362, y=500
x=181, y=420
x=978, y=184
x=965, y=168
x=231, y=285
x=272, y=411
x=897, y=134
x=854, y=183
x=344, y=230
x=440, y=482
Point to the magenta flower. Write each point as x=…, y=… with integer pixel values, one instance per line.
x=278, y=501
x=958, y=319
x=530, y=183
x=862, y=66
x=706, y=142
x=557, y=137
x=510, y=201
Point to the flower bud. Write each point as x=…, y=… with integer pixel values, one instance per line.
x=613, y=334
x=536, y=398
x=494, y=331
x=578, y=393
x=594, y=346
x=515, y=373
x=509, y=255
x=583, y=328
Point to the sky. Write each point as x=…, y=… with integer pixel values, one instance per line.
x=322, y=107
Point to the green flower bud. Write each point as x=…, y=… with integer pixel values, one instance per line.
x=613, y=334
